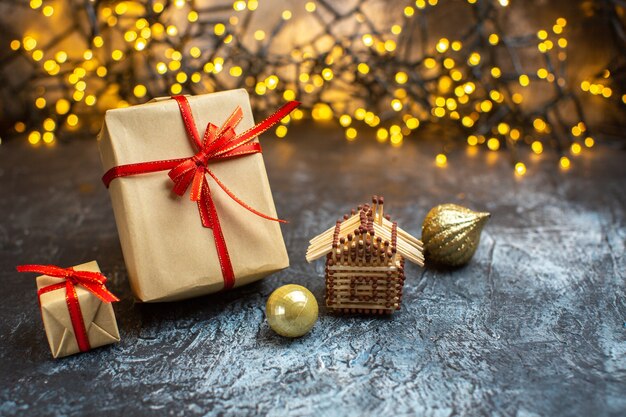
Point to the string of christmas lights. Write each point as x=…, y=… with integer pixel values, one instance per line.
x=344, y=61
x=610, y=82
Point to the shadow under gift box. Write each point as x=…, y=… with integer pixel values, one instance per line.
x=98, y=316
x=169, y=255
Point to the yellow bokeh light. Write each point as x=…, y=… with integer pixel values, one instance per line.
x=575, y=148
x=176, y=88
x=539, y=125
x=235, y=71
x=351, y=133
x=286, y=15
x=442, y=45
x=412, y=123
x=396, y=139
x=537, y=147
x=520, y=168
x=486, y=106
x=61, y=57
x=140, y=90
x=72, y=120
x=474, y=59
x=409, y=11
x=281, y=131
x=140, y=44
x=310, y=7
x=345, y=120
x=34, y=137
x=48, y=137
x=542, y=34
x=396, y=104
x=542, y=73
x=564, y=162
x=493, y=144
x=363, y=68
x=382, y=134
x=390, y=45
x=289, y=95
x=195, y=52
x=589, y=142
x=62, y=106
x=48, y=11
x=259, y=35
x=181, y=77
x=494, y=39
x=472, y=140
x=524, y=80
x=401, y=77
x=322, y=111
x=219, y=29
x=161, y=68
x=49, y=124
x=130, y=36
x=29, y=43
x=441, y=160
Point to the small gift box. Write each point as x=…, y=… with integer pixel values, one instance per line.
x=75, y=307
x=228, y=235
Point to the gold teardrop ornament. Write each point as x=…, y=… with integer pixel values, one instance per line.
x=451, y=234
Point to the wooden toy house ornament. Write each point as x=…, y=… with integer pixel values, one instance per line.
x=365, y=253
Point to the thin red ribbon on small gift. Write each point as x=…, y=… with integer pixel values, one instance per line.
x=94, y=282
x=218, y=143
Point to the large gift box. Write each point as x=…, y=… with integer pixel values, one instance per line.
x=75, y=307
x=159, y=155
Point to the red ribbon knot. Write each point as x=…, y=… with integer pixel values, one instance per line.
x=94, y=282
x=217, y=144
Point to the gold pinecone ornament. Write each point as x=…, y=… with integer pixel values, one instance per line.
x=451, y=234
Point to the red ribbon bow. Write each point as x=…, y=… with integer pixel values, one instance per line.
x=94, y=282
x=217, y=144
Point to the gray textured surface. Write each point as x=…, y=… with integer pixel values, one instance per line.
x=534, y=326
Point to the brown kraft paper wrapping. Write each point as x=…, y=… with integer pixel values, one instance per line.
x=98, y=316
x=169, y=255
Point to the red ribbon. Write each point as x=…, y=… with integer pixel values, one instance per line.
x=218, y=143
x=94, y=282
